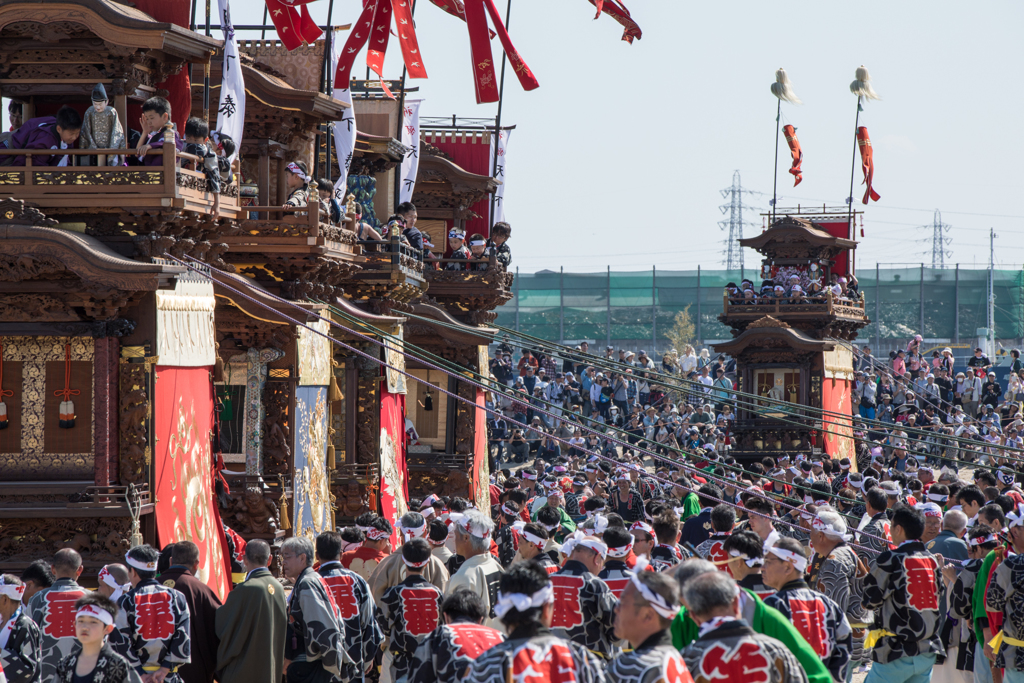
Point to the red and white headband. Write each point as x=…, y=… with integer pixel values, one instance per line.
x=294, y=168
x=508, y=511
x=579, y=539
x=522, y=602
x=139, y=564
x=375, y=534
x=468, y=526
x=428, y=512
x=982, y=540
x=520, y=529
x=818, y=524
x=96, y=613
x=415, y=565
x=622, y=551
x=789, y=556
x=413, y=532
x=13, y=592
x=528, y=476
x=642, y=526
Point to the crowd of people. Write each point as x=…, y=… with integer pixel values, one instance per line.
x=795, y=286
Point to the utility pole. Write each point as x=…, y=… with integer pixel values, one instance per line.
x=734, y=208
x=991, y=339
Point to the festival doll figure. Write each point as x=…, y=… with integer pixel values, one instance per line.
x=101, y=129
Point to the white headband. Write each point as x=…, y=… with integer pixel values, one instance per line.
x=13, y=592
x=139, y=564
x=578, y=538
x=1005, y=477
x=96, y=613
x=532, y=538
x=937, y=498
x=642, y=526
x=469, y=527
x=737, y=555
x=622, y=551
x=828, y=529
x=522, y=602
x=929, y=509
x=431, y=499
x=657, y=602
x=982, y=540
x=508, y=511
x=294, y=168
x=413, y=531
x=414, y=565
x=844, y=467
x=528, y=476
x=106, y=577
x=478, y=243
x=427, y=512
x=600, y=524
x=456, y=234
x=375, y=534
x=1016, y=517
x=789, y=556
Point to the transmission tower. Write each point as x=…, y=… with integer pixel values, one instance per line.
x=733, y=253
x=939, y=240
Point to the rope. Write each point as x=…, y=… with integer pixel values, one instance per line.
x=472, y=403
x=67, y=392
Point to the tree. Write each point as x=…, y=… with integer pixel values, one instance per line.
x=682, y=331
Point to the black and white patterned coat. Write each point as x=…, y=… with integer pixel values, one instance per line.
x=535, y=654
x=820, y=621
x=1006, y=595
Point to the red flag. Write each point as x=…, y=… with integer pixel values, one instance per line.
x=867, y=163
x=483, y=64
x=355, y=42
x=294, y=28
x=798, y=154
x=377, y=48
x=617, y=10
x=457, y=10
x=407, y=39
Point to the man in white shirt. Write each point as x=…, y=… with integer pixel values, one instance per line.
x=706, y=381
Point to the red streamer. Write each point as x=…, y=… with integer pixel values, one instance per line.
x=867, y=163
x=617, y=11
x=295, y=27
x=798, y=154
x=483, y=63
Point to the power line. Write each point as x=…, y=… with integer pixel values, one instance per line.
x=939, y=240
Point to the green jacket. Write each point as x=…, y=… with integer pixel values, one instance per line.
x=568, y=526
x=770, y=622
x=980, y=614
x=691, y=506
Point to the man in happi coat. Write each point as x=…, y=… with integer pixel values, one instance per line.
x=1006, y=594
x=647, y=606
x=252, y=624
x=158, y=625
x=316, y=636
x=615, y=573
x=504, y=533
x=727, y=649
x=53, y=611
x=480, y=572
x=981, y=540
x=202, y=608
x=584, y=605
x=532, y=652
x=723, y=518
x=411, y=610
x=363, y=635
x=446, y=653
x=666, y=553
x=903, y=589
x=392, y=570
x=819, y=619
x=19, y=635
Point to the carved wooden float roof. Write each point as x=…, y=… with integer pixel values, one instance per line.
x=273, y=91
x=226, y=287
x=444, y=325
x=446, y=190
x=769, y=332
x=789, y=232
x=54, y=21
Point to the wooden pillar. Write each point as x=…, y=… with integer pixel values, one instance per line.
x=105, y=432
x=28, y=109
x=263, y=181
x=282, y=189
x=121, y=105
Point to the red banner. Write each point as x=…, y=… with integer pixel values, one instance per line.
x=481, y=470
x=841, y=262
x=617, y=10
x=182, y=462
x=471, y=153
x=294, y=26
x=867, y=163
x=394, y=476
x=838, y=420
x=796, y=152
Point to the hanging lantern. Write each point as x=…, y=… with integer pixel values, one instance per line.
x=428, y=401
x=67, y=406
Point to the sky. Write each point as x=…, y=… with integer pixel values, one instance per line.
x=620, y=155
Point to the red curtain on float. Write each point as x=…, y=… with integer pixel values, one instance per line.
x=471, y=153
x=481, y=480
x=394, y=476
x=182, y=462
x=838, y=421
x=177, y=86
x=842, y=263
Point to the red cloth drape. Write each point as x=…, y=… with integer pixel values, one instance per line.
x=838, y=431
x=392, y=420
x=473, y=154
x=178, y=88
x=183, y=472
x=480, y=450
x=842, y=229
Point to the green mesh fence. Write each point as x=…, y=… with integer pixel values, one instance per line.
x=637, y=308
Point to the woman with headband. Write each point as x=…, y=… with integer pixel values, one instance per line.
x=526, y=606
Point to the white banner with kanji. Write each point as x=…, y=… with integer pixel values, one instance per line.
x=231, y=110
x=499, y=174
x=411, y=139
x=344, y=129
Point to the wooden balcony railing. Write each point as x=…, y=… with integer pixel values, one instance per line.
x=391, y=255
x=824, y=305
x=287, y=229
x=108, y=189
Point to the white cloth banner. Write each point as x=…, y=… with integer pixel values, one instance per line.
x=231, y=110
x=499, y=174
x=411, y=139
x=345, y=128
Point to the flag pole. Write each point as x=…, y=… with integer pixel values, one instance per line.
x=853, y=162
x=775, y=181
x=206, y=73
x=497, y=118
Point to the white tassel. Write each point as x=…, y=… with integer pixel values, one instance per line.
x=783, y=88
x=861, y=86
x=4, y=423
x=67, y=414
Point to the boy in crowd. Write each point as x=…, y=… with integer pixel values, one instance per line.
x=157, y=130
x=47, y=132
